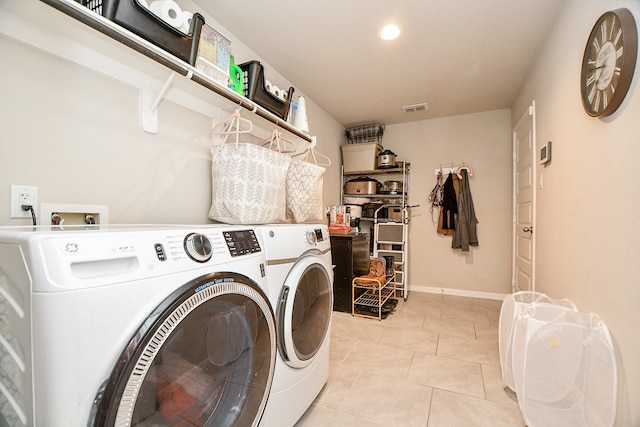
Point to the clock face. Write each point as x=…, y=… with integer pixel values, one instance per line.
x=609, y=62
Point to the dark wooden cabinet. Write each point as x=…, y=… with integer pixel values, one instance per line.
x=350, y=255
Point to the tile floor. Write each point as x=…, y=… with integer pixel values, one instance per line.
x=433, y=362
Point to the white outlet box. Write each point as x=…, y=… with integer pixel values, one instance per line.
x=22, y=195
x=71, y=214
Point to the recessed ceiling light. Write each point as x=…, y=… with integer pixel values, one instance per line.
x=390, y=32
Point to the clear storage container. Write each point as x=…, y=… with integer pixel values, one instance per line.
x=360, y=157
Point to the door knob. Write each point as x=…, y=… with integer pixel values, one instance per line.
x=528, y=229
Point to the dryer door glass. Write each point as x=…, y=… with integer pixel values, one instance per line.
x=205, y=358
x=304, y=312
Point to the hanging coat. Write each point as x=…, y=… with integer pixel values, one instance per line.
x=449, y=206
x=451, y=210
x=465, y=233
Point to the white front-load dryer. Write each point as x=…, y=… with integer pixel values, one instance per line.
x=134, y=325
x=300, y=281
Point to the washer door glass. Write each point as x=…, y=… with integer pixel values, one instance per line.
x=204, y=358
x=304, y=312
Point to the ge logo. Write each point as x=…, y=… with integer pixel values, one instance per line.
x=71, y=248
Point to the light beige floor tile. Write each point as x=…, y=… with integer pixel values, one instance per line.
x=457, y=301
x=438, y=299
x=423, y=297
x=388, y=400
x=494, y=387
x=491, y=305
x=423, y=308
x=493, y=310
x=317, y=416
x=486, y=332
x=494, y=318
x=338, y=316
x=373, y=357
x=448, y=374
x=473, y=314
x=356, y=328
x=471, y=350
x=454, y=327
x=431, y=340
x=405, y=319
x=338, y=386
x=339, y=348
x=421, y=340
x=457, y=410
x=344, y=315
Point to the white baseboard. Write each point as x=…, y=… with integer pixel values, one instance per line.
x=457, y=292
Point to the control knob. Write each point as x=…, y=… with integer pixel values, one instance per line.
x=311, y=237
x=198, y=247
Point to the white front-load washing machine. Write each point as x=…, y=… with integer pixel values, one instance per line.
x=134, y=325
x=300, y=281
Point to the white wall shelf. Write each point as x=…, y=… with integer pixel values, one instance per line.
x=130, y=59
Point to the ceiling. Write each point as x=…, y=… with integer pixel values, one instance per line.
x=458, y=56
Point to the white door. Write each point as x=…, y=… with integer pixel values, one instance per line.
x=524, y=202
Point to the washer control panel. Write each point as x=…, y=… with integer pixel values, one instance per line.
x=101, y=256
x=241, y=242
x=200, y=248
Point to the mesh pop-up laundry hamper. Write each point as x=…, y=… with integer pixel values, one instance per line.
x=512, y=306
x=564, y=368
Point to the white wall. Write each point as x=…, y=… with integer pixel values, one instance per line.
x=482, y=140
x=587, y=227
x=74, y=134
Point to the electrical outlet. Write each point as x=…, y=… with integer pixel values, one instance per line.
x=23, y=195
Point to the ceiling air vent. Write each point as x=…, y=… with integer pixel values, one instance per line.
x=414, y=107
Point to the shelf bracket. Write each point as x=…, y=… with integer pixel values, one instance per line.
x=149, y=104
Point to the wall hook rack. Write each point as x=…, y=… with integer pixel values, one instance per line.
x=454, y=169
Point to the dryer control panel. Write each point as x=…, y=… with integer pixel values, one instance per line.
x=314, y=236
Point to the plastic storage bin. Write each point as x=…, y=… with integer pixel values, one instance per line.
x=564, y=368
x=512, y=307
x=360, y=157
x=212, y=71
x=256, y=90
x=94, y=5
x=141, y=21
x=215, y=49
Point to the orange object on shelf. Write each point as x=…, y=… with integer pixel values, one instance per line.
x=339, y=229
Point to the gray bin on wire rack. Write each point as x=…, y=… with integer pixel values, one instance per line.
x=371, y=132
x=564, y=368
